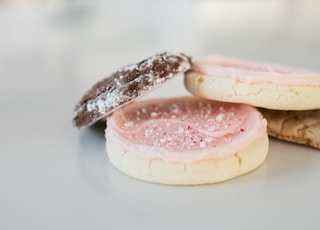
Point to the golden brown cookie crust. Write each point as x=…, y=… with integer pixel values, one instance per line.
x=302, y=127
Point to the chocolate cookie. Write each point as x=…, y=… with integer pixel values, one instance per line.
x=126, y=84
x=302, y=127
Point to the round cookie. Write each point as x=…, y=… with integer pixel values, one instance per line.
x=127, y=84
x=301, y=127
x=186, y=141
x=263, y=85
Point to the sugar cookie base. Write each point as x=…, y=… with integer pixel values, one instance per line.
x=202, y=172
x=265, y=95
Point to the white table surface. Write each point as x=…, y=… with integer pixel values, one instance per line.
x=53, y=176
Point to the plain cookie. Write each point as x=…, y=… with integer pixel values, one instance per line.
x=302, y=127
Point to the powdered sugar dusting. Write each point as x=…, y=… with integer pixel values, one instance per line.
x=129, y=83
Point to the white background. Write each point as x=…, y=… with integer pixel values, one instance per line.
x=53, y=176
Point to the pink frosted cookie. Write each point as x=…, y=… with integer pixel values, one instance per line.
x=186, y=141
x=263, y=85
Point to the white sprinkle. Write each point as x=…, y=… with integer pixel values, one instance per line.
x=128, y=124
x=143, y=110
x=167, y=124
x=219, y=117
x=208, y=139
x=147, y=132
x=153, y=114
x=180, y=130
x=162, y=140
x=211, y=128
x=202, y=144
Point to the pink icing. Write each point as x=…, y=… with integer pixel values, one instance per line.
x=255, y=72
x=186, y=129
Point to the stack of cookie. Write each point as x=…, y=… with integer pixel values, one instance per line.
x=289, y=98
x=213, y=136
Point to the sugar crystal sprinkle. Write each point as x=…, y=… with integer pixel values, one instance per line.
x=219, y=117
x=153, y=114
x=180, y=130
x=202, y=144
x=184, y=126
x=128, y=124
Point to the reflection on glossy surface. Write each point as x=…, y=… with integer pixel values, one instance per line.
x=92, y=158
x=169, y=200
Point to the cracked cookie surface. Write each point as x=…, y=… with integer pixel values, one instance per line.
x=263, y=85
x=302, y=127
x=127, y=84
